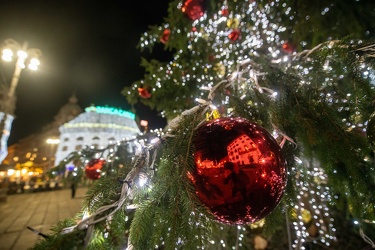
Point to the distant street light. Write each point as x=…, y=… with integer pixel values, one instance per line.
x=24, y=55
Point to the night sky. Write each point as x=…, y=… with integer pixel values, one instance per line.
x=89, y=48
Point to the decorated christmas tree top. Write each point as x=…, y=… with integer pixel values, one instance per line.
x=270, y=134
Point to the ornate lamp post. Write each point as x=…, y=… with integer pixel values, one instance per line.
x=24, y=56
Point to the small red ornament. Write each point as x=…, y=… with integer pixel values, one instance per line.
x=194, y=9
x=234, y=35
x=240, y=173
x=144, y=93
x=224, y=11
x=288, y=47
x=93, y=169
x=165, y=37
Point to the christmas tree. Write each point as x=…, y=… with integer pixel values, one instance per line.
x=270, y=138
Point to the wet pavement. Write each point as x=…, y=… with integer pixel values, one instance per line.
x=40, y=211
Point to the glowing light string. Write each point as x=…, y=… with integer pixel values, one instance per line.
x=142, y=161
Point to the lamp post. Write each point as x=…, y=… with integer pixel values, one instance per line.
x=24, y=56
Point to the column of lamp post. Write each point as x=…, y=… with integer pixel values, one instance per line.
x=24, y=56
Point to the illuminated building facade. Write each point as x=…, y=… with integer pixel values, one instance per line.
x=96, y=127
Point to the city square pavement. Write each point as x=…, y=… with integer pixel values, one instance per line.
x=40, y=211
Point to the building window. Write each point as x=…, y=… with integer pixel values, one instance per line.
x=78, y=147
x=66, y=139
x=80, y=138
x=95, y=138
x=65, y=148
x=112, y=139
x=95, y=146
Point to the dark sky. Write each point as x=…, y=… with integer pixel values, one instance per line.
x=89, y=48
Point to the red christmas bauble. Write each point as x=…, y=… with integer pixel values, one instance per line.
x=288, y=47
x=240, y=172
x=165, y=37
x=224, y=11
x=93, y=169
x=144, y=93
x=194, y=9
x=234, y=35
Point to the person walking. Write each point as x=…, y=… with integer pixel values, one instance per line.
x=73, y=187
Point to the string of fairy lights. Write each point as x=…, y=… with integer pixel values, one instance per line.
x=264, y=32
x=311, y=219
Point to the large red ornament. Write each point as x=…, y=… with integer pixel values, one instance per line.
x=240, y=173
x=194, y=9
x=144, y=93
x=93, y=169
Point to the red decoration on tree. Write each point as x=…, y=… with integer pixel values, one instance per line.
x=224, y=11
x=165, y=37
x=234, y=35
x=93, y=169
x=144, y=93
x=288, y=47
x=240, y=173
x=194, y=9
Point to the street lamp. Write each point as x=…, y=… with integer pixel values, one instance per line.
x=24, y=55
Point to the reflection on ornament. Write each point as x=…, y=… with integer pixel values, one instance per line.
x=240, y=173
x=93, y=169
x=233, y=23
x=370, y=130
x=194, y=9
x=144, y=93
x=165, y=37
x=234, y=35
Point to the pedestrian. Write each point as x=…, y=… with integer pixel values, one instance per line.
x=73, y=187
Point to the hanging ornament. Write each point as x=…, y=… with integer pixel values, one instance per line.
x=260, y=243
x=240, y=173
x=288, y=47
x=211, y=58
x=224, y=11
x=93, y=169
x=220, y=69
x=144, y=93
x=165, y=37
x=234, y=35
x=194, y=9
x=233, y=23
x=370, y=130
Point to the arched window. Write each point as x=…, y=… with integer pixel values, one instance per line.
x=95, y=138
